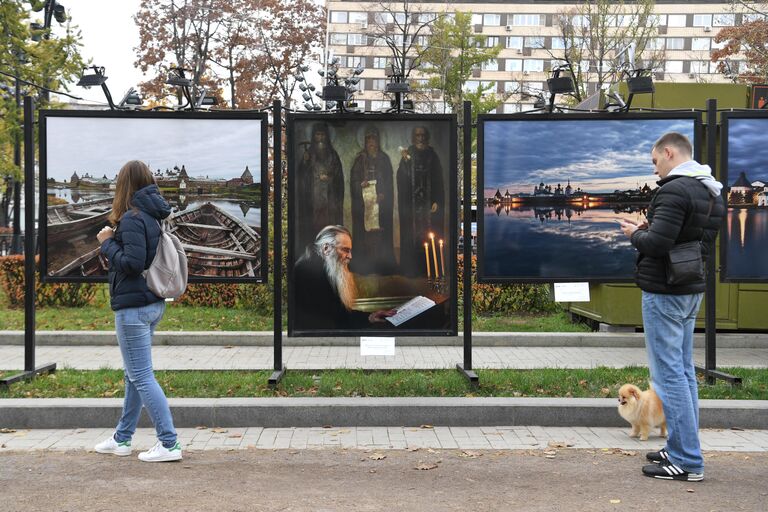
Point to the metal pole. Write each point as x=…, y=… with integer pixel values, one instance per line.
x=709, y=293
x=29, y=235
x=16, y=241
x=277, y=173
x=466, y=367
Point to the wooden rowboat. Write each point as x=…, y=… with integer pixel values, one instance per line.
x=217, y=244
x=92, y=263
x=69, y=220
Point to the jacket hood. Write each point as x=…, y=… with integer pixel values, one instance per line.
x=150, y=201
x=703, y=173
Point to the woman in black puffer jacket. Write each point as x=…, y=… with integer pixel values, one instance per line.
x=130, y=248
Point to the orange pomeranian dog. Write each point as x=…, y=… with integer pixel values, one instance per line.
x=643, y=410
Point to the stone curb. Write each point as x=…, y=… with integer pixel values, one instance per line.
x=61, y=413
x=479, y=339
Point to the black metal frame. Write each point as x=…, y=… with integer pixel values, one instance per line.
x=277, y=277
x=555, y=117
x=30, y=292
x=451, y=243
x=725, y=118
x=112, y=114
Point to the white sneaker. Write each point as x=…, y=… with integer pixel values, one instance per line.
x=160, y=453
x=113, y=447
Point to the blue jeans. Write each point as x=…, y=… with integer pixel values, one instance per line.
x=135, y=328
x=668, y=321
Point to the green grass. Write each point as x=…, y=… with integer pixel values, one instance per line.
x=594, y=383
x=99, y=317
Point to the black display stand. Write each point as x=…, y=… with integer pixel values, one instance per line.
x=277, y=264
x=29, y=253
x=466, y=367
x=710, y=319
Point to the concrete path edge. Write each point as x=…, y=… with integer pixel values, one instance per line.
x=59, y=413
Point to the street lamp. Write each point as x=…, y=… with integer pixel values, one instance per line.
x=97, y=78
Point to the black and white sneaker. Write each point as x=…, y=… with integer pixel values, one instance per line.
x=657, y=457
x=669, y=471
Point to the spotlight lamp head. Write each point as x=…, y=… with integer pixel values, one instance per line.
x=330, y=104
x=299, y=78
x=321, y=72
x=335, y=61
x=304, y=68
x=311, y=87
x=306, y=96
x=359, y=69
x=308, y=105
x=317, y=107
x=59, y=13
x=36, y=30
x=95, y=79
x=302, y=87
x=176, y=78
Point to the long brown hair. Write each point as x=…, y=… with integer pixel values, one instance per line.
x=133, y=176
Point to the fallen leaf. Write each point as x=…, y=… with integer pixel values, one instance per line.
x=615, y=502
x=235, y=435
x=219, y=430
x=550, y=452
x=327, y=426
x=414, y=449
x=470, y=454
x=201, y=427
x=550, y=456
x=228, y=346
x=371, y=470
x=377, y=456
x=426, y=426
x=7, y=430
x=739, y=429
x=425, y=466
x=430, y=450
x=559, y=444
x=689, y=490
x=628, y=453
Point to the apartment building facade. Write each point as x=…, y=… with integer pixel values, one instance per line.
x=531, y=40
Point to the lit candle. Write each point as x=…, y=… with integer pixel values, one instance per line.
x=434, y=254
x=426, y=255
x=442, y=258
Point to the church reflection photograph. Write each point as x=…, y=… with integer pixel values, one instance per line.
x=744, y=241
x=372, y=223
x=551, y=189
x=209, y=167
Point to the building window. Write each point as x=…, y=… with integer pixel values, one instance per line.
x=675, y=43
x=700, y=43
x=338, y=38
x=380, y=62
x=676, y=20
x=674, y=66
x=658, y=20
x=513, y=65
x=526, y=20
x=515, y=42
x=378, y=84
x=534, y=42
x=358, y=17
x=492, y=20
x=655, y=43
x=723, y=20
x=491, y=65
x=339, y=16
x=377, y=105
x=718, y=46
x=533, y=65
x=702, y=20
x=511, y=87
x=471, y=85
x=477, y=19
x=700, y=67
x=352, y=62
x=427, y=17
x=491, y=41
x=558, y=43
x=580, y=21
x=356, y=39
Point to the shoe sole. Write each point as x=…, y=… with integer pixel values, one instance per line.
x=164, y=459
x=660, y=477
x=111, y=452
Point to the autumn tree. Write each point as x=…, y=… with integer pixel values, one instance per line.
x=749, y=39
x=599, y=39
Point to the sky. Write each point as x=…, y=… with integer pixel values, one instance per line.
x=596, y=155
x=746, y=149
x=109, y=35
x=218, y=148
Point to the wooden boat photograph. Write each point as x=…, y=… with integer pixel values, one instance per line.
x=68, y=220
x=217, y=244
x=92, y=263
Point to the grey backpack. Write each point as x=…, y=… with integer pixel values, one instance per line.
x=167, y=274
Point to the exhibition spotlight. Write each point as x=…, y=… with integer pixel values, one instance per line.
x=97, y=78
x=559, y=85
x=177, y=78
x=640, y=82
x=131, y=100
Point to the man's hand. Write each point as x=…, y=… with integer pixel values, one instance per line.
x=105, y=233
x=628, y=227
x=380, y=316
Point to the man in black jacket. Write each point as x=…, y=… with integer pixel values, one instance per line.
x=325, y=288
x=687, y=207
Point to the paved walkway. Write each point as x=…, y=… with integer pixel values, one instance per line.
x=385, y=438
x=321, y=357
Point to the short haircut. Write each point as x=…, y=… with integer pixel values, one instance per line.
x=677, y=141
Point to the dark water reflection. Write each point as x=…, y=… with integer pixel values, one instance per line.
x=747, y=253
x=558, y=242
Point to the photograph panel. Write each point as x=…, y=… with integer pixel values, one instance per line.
x=389, y=185
x=745, y=237
x=208, y=169
x=553, y=189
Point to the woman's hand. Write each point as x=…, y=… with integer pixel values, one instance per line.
x=105, y=233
